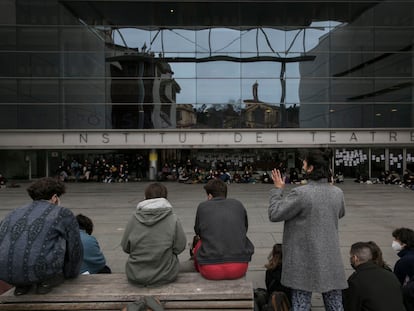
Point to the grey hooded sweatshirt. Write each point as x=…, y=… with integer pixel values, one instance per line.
x=153, y=238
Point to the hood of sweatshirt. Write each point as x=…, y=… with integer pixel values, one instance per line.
x=151, y=211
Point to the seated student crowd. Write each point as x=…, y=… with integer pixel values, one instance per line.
x=154, y=237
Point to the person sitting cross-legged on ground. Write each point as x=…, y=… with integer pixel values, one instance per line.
x=370, y=287
x=93, y=258
x=40, y=242
x=153, y=238
x=224, y=250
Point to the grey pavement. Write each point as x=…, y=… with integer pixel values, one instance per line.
x=372, y=213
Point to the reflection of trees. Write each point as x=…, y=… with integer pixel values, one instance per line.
x=219, y=116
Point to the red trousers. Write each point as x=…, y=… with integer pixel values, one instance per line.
x=220, y=271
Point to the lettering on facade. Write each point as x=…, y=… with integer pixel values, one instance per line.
x=237, y=137
x=353, y=137
x=215, y=138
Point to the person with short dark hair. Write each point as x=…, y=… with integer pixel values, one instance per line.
x=40, y=243
x=312, y=260
x=153, y=238
x=93, y=259
x=224, y=250
x=370, y=287
x=404, y=244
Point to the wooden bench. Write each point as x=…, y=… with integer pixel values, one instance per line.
x=112, y=292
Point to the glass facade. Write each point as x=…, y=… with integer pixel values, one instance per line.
x=157, y=65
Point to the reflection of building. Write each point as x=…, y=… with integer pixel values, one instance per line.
x=261, y=115
x=143, y=92
x=75, y=78
x=186, y=116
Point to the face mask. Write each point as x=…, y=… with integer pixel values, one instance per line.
x=396, y=246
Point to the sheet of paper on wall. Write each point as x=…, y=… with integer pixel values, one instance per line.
x=377, y=159
x=398, y=165
x=373, y=157
x=382, y=157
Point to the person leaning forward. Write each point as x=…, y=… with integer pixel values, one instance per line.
x=224, y=250
x=371, y=287
x=40, y=243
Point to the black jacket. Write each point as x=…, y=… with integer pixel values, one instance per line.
x=372, y=288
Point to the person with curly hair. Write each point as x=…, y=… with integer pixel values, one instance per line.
x=312, y=260
x=40, y=243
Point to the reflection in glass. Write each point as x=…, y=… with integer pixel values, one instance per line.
x=226, y=65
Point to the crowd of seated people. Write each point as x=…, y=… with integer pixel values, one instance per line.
x=100, y=170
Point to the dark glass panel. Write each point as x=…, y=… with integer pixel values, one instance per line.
x=37, y=12
x=8, y=91
x=8, y=64
x=393, y=64
x=349, y=39
x=83, y=91
x=38, y=91
x=85, y=116
x=8, y=38
x=82, y=38
x=313, y=90
x=8, y=116
x=393, y=13
x=83, y=64
x=351, y=89
x=40, y=117
x=8, y=12
x=393, y=39
x=38, y=38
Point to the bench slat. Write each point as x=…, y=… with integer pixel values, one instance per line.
x=112, y=291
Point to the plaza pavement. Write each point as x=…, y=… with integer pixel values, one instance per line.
x=372, y=213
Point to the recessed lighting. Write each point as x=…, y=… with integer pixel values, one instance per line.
x=171, y=10
x=378, y=114
x=394, y=110
x=331, y=110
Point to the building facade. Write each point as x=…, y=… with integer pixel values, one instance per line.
x=237, y=81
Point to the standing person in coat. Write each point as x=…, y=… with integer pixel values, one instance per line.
x=153, y=238
x=371, y=287
x=312, y=259
x=224, y=250
x=40, y=244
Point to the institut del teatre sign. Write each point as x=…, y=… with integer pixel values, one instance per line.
x=274, y=138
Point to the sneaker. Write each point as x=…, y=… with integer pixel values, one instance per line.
x=47, y=285
x=22, y=290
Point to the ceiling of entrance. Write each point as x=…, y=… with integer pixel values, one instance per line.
x=208, y=14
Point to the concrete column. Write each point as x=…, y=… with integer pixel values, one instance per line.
x=153, y=161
